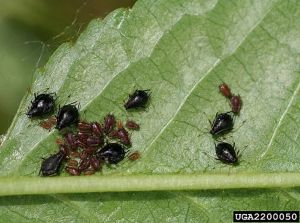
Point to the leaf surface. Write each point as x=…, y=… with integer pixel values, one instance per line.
x=181, y=50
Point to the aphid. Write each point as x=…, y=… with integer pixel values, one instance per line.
x=72, y=163
x=109, y=123
x=90, y=150
x=84, y=127
x=51, y=165
x=89, y=172
x=119, y=124
x=71, y=140
x=67, y=115
x=95, y=163
x=59, y=141
x=134, y=156
x=222, y=123
x=84, y=155
x=138, y=99
x=122, y=135
x=82, y=139
x=74, y=154
x=226, y=153
x=42, y=104
x=72, y=171
x=225, y=90
x=97, y=129
x=49, y=123
x=112, y=153
x=94, y=141
x=236, y=103
x=132, y=125
x=84, y=164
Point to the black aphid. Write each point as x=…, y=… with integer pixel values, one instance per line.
x=226, y=153
x=67, y=115
x=222, y=123
x=138, y=99
x=42, y=104
x=112, y=153
x=51, y=165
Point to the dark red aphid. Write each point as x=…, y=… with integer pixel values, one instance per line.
x=226, y=153
x=95, y=163
x=132, y=125
x=84, y=164
x=109, y=123
x=51, y=165
x=72, y=163
x=97, y=129
x=134, y=156
x=112, y=153
x=222, y=123
x=82, y=139
x=93, y=141
x=84, y=127
x=122, y=135
x=84, y=155
x=49, y=123
x=72, y=171
x=90, y=150
x=74, y=154
x=225, y=90
x=59, y=141
x=236, y=103
x=89, y=172
x=43, y=104
x=138, y=99
x=71, y=140
x=67, y=115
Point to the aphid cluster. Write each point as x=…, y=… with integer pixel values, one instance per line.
x=223, y=123
x=90, y=146
x=86, y=148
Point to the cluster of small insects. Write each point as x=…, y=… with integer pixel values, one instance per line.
x=223, y=123
x=91, y=144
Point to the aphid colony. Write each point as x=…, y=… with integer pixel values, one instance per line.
x=90, y=145
x=93, y=144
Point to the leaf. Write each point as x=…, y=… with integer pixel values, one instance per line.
x=181, y=50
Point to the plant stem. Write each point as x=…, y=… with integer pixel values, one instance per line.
x=51, y=185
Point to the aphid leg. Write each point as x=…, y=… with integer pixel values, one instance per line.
x=239, y=126
x=210, y=156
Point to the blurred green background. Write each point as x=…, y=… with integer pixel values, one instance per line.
x=30, y=30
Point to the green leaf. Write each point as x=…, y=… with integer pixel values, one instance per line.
x=181, y=50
